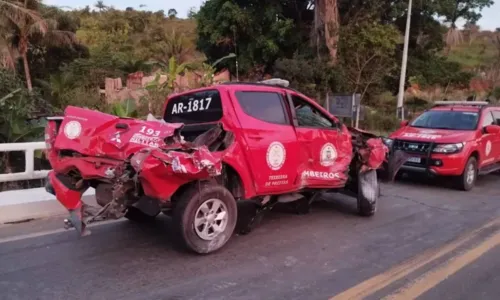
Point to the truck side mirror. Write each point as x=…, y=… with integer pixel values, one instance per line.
x=403, y=123
x=492, y=129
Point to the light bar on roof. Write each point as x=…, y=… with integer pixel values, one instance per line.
x=464, y=103
x=276, y=81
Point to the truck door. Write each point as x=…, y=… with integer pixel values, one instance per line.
x=489, y=143
x=272, y=152
x=496, y=139
x=327, y=148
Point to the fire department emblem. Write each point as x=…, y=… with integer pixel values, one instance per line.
x=276, y=155
x=488, y=148
x=328, y=155
x=72, y=129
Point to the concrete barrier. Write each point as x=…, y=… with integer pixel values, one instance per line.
x=20, y=205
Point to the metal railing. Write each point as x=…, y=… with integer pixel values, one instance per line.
x=29, y=151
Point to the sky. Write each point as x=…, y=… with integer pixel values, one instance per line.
x=489, y=21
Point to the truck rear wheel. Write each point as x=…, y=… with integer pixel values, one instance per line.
x=205, y=217
x=467, y=180
x=368, y=193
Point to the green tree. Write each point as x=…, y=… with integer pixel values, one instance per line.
x=172, y=13
x=368, y=50
x=454, y=10
x=100, y=5
x=259, y=32
x=32, y=26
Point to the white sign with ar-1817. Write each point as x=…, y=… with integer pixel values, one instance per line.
x=191, y=106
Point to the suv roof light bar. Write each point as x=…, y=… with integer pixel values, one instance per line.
x=276, y=81
x=463, y=103
x=273, y=82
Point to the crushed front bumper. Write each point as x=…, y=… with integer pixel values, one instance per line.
x=71, y=199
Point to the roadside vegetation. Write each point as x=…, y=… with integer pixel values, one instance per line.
x=51, y=58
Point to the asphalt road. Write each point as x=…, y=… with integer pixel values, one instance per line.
x=426, y=241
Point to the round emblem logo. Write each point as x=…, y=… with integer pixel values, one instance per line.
x=328, y=155
x=276, y=155
x=72, y=129
x=488, y=148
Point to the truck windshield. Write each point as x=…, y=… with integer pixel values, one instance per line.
x=199, y=107
x=447, y=119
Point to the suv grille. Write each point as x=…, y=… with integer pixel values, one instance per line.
x=412, y=146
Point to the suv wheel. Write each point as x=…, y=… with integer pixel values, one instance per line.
x=467, y=180
x=368, y=193
x=205, y=217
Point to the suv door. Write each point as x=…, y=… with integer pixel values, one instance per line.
x=322, y=142
x=489, y=143
x=273, y=149
x=496, y=142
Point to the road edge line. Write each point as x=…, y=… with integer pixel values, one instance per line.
x=434, y=277
x=382, y=280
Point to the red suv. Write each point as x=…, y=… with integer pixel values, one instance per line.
x=453, y=138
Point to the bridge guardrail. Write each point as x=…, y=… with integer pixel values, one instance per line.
x=29, y=151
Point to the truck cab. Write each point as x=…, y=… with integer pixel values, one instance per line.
x=284, y=141
x=454, y=138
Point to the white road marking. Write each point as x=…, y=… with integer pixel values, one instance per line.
x=50, y=232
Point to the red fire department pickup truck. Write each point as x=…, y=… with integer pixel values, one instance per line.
x=453, y=138
x=252, y=143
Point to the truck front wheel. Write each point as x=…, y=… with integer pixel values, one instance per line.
x=467, y=180
x=368, y=193
x=205, y=217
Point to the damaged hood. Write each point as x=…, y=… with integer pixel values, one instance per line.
x=92, y=133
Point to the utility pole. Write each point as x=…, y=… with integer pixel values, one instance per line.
x=402, y=78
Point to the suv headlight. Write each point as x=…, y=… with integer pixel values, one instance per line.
x=388, y=142
x=448, y=148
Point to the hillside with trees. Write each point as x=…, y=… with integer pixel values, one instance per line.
x=51, y=58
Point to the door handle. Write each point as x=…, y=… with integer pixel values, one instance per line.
x=255, y=137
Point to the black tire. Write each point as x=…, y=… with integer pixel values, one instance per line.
x=462, y=182
x=135, y=215
x=249, y=216
x=184, y=216
x=368, y=193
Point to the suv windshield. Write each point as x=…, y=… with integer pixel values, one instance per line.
x=447, y=119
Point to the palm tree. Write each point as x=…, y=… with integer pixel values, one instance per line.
x=14, y=11
x=30, y=25
x=167, y=43
x=8, y=53
x=100, y=5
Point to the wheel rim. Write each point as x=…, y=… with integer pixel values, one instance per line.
x=210, y=219
x=471, y=174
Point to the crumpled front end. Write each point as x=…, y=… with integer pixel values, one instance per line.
x=130, y=163
x=161, y=173
x=69, y=195
x=372, y=154
x=370, y=150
